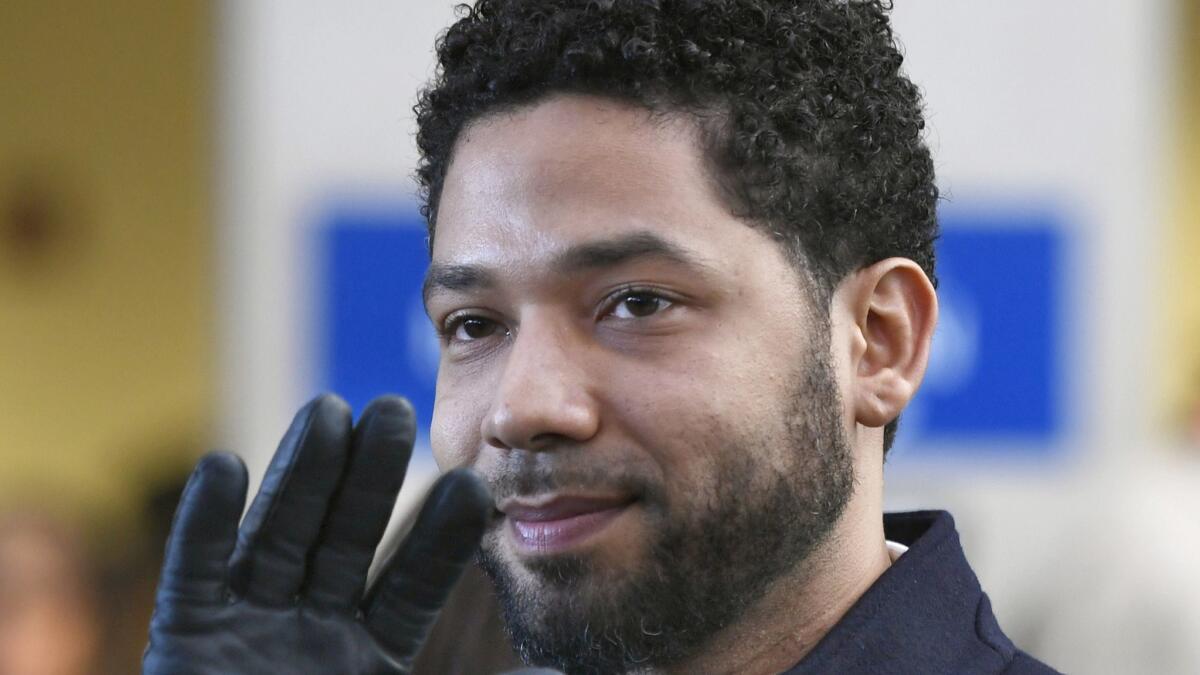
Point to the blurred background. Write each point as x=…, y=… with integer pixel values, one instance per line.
x=207, y=215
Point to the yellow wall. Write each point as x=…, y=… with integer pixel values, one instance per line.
x=106, y=325
x=1180, y=362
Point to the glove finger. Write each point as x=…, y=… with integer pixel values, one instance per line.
x=283, y=522
x=204, y=531
x=405, y=601
x=359, y=512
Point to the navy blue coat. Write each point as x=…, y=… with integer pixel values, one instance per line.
x=926, y=614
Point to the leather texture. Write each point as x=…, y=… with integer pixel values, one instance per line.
x=286, y=591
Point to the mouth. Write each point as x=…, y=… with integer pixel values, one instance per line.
x=554, y=524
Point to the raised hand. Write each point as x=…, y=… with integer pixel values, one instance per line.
x=284, y=593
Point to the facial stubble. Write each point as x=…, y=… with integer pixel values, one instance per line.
x=704, y=568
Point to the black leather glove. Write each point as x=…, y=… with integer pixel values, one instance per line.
x=284, y=593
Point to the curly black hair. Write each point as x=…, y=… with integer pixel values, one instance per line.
x=810, y=128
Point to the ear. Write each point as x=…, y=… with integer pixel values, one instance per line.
x=890, y=310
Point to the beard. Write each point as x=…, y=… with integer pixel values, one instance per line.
x=705, y=565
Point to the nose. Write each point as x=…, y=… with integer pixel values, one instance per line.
x=544, y=398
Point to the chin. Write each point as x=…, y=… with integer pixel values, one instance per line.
x=571, y=612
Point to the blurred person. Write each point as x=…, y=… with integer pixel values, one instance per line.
x=129, y=577
x=48, y=614
x=683, y=276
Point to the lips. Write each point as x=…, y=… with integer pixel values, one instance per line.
x=559, y=523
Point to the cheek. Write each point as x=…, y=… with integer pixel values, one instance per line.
x=454, y=433
x=689, y=415
x=715, y=404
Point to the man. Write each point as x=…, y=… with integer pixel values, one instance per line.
x=682, y=273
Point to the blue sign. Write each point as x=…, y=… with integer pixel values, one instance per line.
x=376, y=336
x=996, y=374
x=995, y=377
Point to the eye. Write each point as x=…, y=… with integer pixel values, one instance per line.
x=638, y=304
x=468, y=328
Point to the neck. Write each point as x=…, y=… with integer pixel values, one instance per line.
x=798, y=610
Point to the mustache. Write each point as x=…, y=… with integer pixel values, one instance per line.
x=522, y=478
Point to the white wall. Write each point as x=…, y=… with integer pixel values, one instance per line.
x=1066, y=103
x=315, y=101
x=1063, y=102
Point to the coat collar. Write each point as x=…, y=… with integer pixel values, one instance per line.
x=925, y=614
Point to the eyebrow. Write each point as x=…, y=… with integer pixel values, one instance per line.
x=449, y=277
x=620, y=250
x=590, y=255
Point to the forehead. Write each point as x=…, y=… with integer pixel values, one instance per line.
x=529, y=183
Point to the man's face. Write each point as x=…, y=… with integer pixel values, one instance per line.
x=638, y=375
